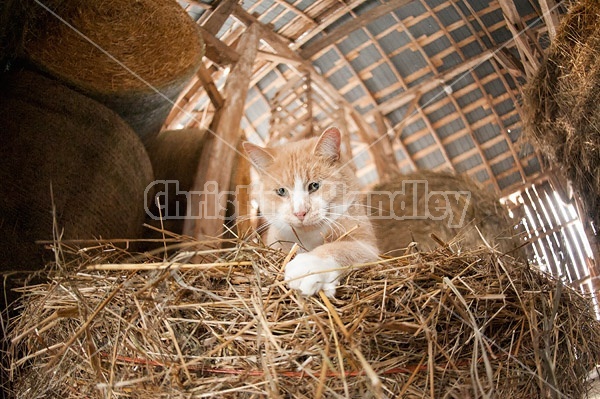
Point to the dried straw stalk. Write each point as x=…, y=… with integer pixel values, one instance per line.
x=426, y=325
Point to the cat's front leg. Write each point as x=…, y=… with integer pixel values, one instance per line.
x=310, y=273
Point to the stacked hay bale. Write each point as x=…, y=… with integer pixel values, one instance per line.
x=452, y=208
x=69, y=168
x=561, y=103
x=175, y=156
x=135, y=57
x=425, y=325
x=132, y=57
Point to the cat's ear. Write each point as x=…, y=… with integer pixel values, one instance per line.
x=329, y=143
x=260, y=157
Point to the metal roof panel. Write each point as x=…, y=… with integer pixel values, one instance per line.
x=426, y=27
x=448, y=15
x=366, y=57
x=412, y=9
x=459, y=146
x=431, y=160
x=381, y=24
x=469, y=163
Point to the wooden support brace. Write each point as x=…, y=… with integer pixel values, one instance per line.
x=384, y=160
x=340, y=121
x=206, y=210
x=218, y=16
x=217, y=51
x=208, y=84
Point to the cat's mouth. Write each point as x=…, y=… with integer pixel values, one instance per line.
x=306, y=221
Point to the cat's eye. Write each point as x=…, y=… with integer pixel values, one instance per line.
x=282, y=192
x=313, y=186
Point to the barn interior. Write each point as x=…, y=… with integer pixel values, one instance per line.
x=418, y=85
x=154, y=91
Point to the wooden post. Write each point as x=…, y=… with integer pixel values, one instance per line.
x=379, y=147
x=218, y=16
x=206, y=209
x=340, y=121
x=240, y=186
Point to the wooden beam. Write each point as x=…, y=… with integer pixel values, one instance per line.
x=341, y=122
x=528, y=51
x=276, y=58
x=282, y=47
x=410, y=112
x=512, y=64
x=392, y=168
x=240, y=195
x=550, y=16
x=207, y=82
x=217, y=51
x=219, y=151
x=350, y=26
x=218, y=16
x=379, y=148
x=326, y=18
x=200, y=4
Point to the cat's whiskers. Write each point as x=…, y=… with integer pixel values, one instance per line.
x=336, y=227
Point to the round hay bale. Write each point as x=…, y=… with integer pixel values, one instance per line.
x=156, y=41
x=561, y=103
x=57, y=141
x=453, y=207
x=175, y=156
x=426, y=325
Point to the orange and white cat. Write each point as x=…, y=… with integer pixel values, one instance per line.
x=309, y=196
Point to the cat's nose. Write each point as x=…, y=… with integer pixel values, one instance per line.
x=300, y=215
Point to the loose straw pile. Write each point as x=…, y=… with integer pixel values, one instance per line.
x=426, y=325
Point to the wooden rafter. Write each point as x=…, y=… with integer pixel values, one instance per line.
x=529, y=51
x=325, y=20
x=276, y=49
x=211, y=90
x=349, y=27
x=550, y=15
x=380, y=145
x=419, y=109
x=282, y=47
x=217, y=51
x=509, y=91
x=218, y=16
x=430, y=84
x=490, y=106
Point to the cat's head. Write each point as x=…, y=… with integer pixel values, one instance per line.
x=304, y=184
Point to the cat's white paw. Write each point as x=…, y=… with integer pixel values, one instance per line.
x=309, y=273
